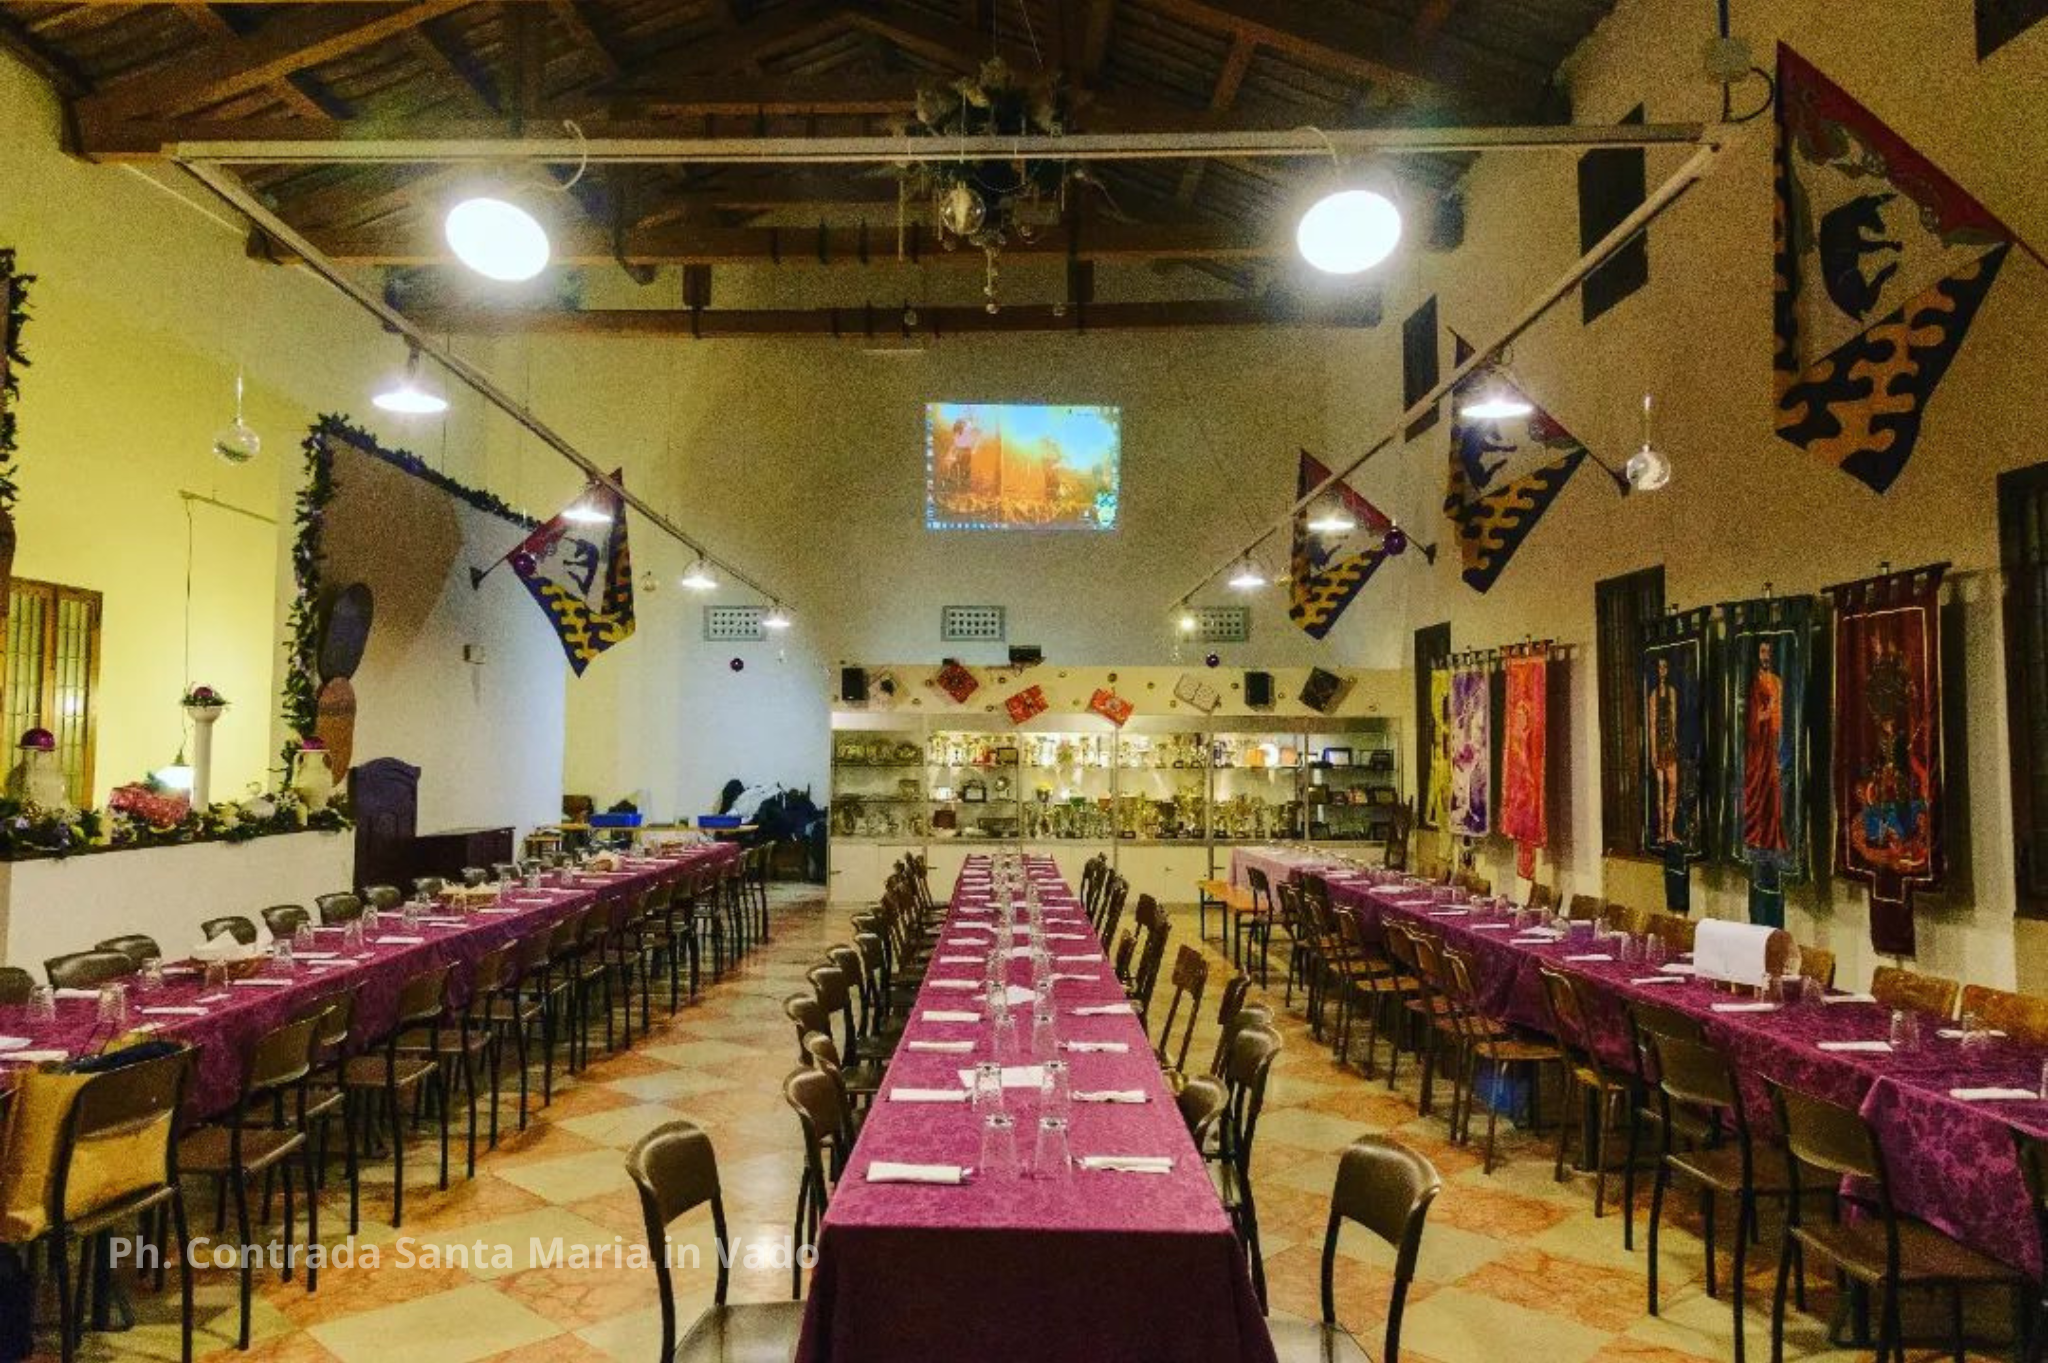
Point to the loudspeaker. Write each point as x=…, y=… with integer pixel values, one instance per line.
x=1258, y=689
x=853, y=685
x=1026, y=655
x=1323, y=691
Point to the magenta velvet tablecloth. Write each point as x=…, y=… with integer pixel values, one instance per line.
x=239, y=1014
x=1101, y=1268
x=1952, y=1163
x=1280, y=864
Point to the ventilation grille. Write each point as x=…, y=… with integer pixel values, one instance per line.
x=971, y=624
x=734, y=624
x=1222, y=624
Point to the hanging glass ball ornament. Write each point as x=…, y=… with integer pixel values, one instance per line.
x=1395, y=541
x=237, y=443
x=962, y=210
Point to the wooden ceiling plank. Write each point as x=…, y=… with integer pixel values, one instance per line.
x=449, y=53
x=1314, y=34
x=955, y=46
x=571, y=16
x=749, y=94
x=1236, y=63
x=1095, y=34
x=743, y=48
x=64, y=75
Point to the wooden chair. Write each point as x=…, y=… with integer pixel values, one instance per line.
x=1896, y=988
x=285, y=919
x=1387, y=1188
x=234, y=925
x=1254, y=922
x=1201, y=1102
x=1586, y=908
x=428, y=887
x=1541, y=896
x=1586, y=1076
x=383, y=898
x=1818, y=964
x=1486, y=1040
x=1190, y=978
x=2023, y=1017
x=16, y=984
x=1112, y=908
x=339, y=907
x=1372, y=982
x=675, y=1172
x=1887, y=1252
x=1622, y=918
x=1649, y=1114
x=88, y=969
x=820, y=1116
x=135, y=946
x=1245, y=1072
x=465, y=1042
x=380, y=1077
x=1156, y=927
x=1675, y=933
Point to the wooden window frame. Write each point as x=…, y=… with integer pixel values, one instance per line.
x=2023, y=498
x=55, y=595
x=1621, y=704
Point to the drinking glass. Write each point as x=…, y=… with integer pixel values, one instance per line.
x=1003, y=1043
x=281, y=956
x=152, y=972
x=114, y=1004
x=1055, y=1095
x=409, y=915
x=1905, y=1030
x=371, y=918
x=988, y=1085
x=302, y=938
x=42, y=1007
x=1049, y=1160
x=1043, y=1044
x=2044, y=1081
x=352, y=934
x=1653, y=950
x=1971, y=1036
x=216, y=974
x=998, y=1146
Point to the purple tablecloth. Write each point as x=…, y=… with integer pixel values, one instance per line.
x=239, y=1014
x=1103, y=1266
x=1952, y=1163
x=1279, y=863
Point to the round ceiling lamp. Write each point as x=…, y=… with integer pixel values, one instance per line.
x=1187, y=621
x=583, y=513
x=1349, y=231
x=408, y=396
x=497, y=238
x=697, y=577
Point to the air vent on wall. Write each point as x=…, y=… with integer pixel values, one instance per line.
x=971, y=624
x=734, y=624
x=1222, y=624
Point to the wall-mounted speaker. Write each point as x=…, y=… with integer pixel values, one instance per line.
x=1026, y=655
x=853, y=685
x=1258, y=689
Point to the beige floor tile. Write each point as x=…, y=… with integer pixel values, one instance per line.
x=620, y=1127
x=1465, y=1327
x=447, y=1327
x=571, y=1178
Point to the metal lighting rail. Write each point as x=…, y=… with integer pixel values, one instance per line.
x=472, y=144
x=1712, y=142
x=238, y=196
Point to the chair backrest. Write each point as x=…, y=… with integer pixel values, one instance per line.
x=383, y=897
x=1586, y=908
x=1541, y=896
x=1387, y=1188
x=339, y=907
x=122, y=1104
x=233, y=924
x=1190, y=979
x=1897, y=988
x=1126, y=948
x=85, y=969
x=422, y=999
x=1694, y=1073
x=334, y=1015
x=675, y=1171
x=1157, y=928
x=1675, y=932
x=428, y=887
x=16, y=984
x=1565, y=1007
x=1818, y=964
x=135, y=946
x=1245, y=1071
x=1262, y=889
x=1201, y=1102
x=285, y=919
x=2023, y=1017
x=474, y=876
x=1113, y=907
x=814, y=1096
x=1829, y=1137
x=280, y=1059
x=809, y=1015
x=1623, y=918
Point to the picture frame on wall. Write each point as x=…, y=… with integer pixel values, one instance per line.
x=1336, y=757
x=1380, y=759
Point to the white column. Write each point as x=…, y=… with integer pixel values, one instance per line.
x=203, y=717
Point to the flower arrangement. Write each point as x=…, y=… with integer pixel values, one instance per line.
x=28, y=830
x=148, y=814
x=203, y=698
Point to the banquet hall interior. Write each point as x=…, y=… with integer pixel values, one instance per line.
x=958, y=680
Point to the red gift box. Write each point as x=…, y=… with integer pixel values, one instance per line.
x=1110, y=706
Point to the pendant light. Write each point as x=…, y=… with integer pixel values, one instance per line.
x=582, y=513
x=1332, y=520
x=1187, y=621
x=235, y=442
x=176, y=776
x=1247, y=577
x=1649, y=468
x=777, y=618
x=1349, y=231
x=407, y=396
x=497, y=238
x=1498, y=403
x=697, y=577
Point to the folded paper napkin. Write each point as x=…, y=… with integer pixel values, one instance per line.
x=1678, y=968
x=315, y=955
x=907, y=1095
x=497, y=911
x=1016, y=994
x=954, y=984
x=1066, y=937
x=1014, y=1077
x=1078, y=956
x=1076, y=975
x=1658, y=979
x=442, y=922
x=1992, y=1095
x=400, y=941
x=1096, y=1047
x=12, y=1043
x=948, y=1015
x=1112, y=1096
x=1128, y=1164
x=1530, y=941
x=180, y=1011
x=76, y=994
x=1957, y=1033
x=1450, y=913
x=213, y=998
x=262, y=982
x=1591, y=956
x=37, y=1057
x=1849, y=998
x=883, y=1171
x=1745, y=1007
x=941, y=1047
x=1492, y=927
x=959, y=960
x=1103, y=1010
x=1873, y=1047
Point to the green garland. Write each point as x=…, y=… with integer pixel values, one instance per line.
x=13, y=318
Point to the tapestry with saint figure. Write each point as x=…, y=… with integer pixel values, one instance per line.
x=1674, y=685
x=1436, y=806
x=1522, y=813
x=1766, y=655
x=1471, y=757
x=1888, y=744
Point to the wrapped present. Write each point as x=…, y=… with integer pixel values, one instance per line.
x=157, y=808
x=1026, y=703
x=956, y=681
x=1110, y=706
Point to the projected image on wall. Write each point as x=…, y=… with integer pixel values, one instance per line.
x=997, y=466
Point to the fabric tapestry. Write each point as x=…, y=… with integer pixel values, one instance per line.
x=1471, y=758
x=583, y=583
x=1436, y=806
x=1767, y=653
x=1888, y=744
x=1674, y=685
x=1522, y=813
x=1322, y=581
x=1882, y=262
x=1504, y=473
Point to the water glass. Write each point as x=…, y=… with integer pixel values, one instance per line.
x=988, y=1085
x=409, y=915
x=1905, y=1030
x=1055, y=1093
x=1043, y=1043
x=1969, y=1024
x=998, y=1146
x=216, y=974
x=114, y=1004
x=2044, y=1081
x=302, y=938
x=371, y=918
x=281, y=956
x=1049, y=1160
x=352, y=934
x=1003, y=1041
x=152, y=972
x=42, y=1007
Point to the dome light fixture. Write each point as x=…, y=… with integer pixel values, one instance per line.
x=1349, y=231
x=497, y=238
x=697, y=577
x=1247, y=577
x=176, y=776
x=777, y=618
x=1649, y=468
x=408, y=396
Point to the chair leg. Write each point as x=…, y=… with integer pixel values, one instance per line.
x=184, y=1276
x=241, y=1195
x=1787, y=1247
x=803, y=1201
x=1657, y=1186
x=397, y=1165
x=1745, y=1218
x=312, y=1219
x=1564, y=1127
x=1707, y=1200
x=60, y=1270
x=1628, y=1174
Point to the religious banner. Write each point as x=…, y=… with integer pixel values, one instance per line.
x=580, y=572
x=1882, y=262
x=1505, y=471
x=1674, y=686
x=1321, y=582
x=1766, y=653
x=1522, y=813
x=1436, y=806
x=1471, y=759
x=1888, y=744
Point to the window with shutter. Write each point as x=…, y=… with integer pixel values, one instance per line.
x=2023, y=542
x=53, y=673
x=1621, y=605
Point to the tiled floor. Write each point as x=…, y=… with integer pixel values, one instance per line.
x=1512, y=1266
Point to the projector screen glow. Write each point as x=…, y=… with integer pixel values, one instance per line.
x=996, y=466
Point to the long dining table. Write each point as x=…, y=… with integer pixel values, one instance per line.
x=1951, y=1159
x=1092, y=1265
x=222, y=1024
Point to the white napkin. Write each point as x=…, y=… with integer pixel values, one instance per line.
x=1128, y=1164
x=400, y=941
x=214, y=998
x=941, y=1047
x=1112, y=1096
x=76, y=994
x=1066, y=937
x=1103, y=1010
x=1096, y=1047
x=262, y=982
x=1658, y=979
x=497, y=911
x=1745, y=1007
x=442, y=922
x=37, y=1057
x=1079, y=956
x=883, y=1171
x=1530, y=941
x=1014, y=1077
x=946, y=1015
x=1957, y=1033
x=959, y=960
x=179, y=1011
x=1591, y=956
x=969, y=985
x=1992, y=1095
x=1450, y=913
x=1492, y=927
x=1072, y=975
x=1848, y=998
x=315, y=955
x=12, y=1043
x=907, y=1095
x=1872, y=1047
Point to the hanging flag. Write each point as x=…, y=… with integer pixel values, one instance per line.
x=1767, y=650
x=1320, y=582
x=580, y=572
x=1522, y=814
x=1471, y=757
x=1505, y=472
x=1674, y=682
x=1882, y=262
x=1888, y=744
x=1436, y=808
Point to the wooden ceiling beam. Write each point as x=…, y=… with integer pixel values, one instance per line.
x=956, y=46
x=450, y=54
x=1097, y=26
x=570, y=15
x=64, y=75
x=750, y=94
x=1236, y=64
x=743, y=47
